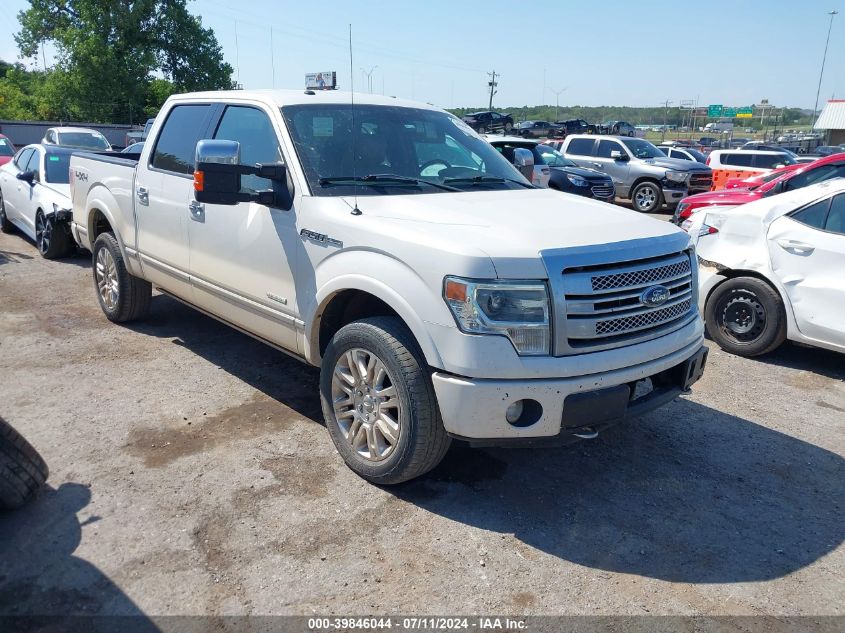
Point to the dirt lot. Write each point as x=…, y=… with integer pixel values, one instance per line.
x=191, y=474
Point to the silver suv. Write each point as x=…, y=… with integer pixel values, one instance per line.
x=639, y=169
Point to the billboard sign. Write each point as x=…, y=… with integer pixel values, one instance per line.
x=321, y=81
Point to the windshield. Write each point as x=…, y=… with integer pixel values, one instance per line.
x=6, y=148
x=86, y=140
x=698, y=156
x=423, y=151
x=642, y=149
x=57, y=168
x=554, y=158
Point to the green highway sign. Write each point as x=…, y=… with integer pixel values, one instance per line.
x=745, y=113
x=714, y=110
x=729, y=112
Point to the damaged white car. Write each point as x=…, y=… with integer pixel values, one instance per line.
x=774, y=269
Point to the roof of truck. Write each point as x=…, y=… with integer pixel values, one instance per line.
x=301, y=97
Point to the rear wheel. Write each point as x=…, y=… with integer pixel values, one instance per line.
x=508, y=127
x=379, y=403
x=122, y=296
x=52, y=241
x=745, y=316
x=647, y=197
x=5, y=225
x=482, y=129
x=22, y=470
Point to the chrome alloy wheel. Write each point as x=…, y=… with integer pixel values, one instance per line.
x=43, y=232
x=646, y=198
x=366, y=404
x=107, y=284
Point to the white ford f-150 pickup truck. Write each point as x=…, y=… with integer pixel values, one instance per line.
x=440, y=293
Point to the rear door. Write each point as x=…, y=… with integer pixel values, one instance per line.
x=580, y=151
x=243, y=257
x=164, y=192
x=807, y=250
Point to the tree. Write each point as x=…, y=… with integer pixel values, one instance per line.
x=111, y=52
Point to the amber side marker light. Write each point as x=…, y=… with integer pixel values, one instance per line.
x=199, y=181
x=455, y=291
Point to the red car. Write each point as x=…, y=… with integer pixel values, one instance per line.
x=7, y=150
x=802, y=175
x=755, y=180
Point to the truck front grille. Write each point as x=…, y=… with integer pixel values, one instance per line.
x=701, y=182
x=605, y=306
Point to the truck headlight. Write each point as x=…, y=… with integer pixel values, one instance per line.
x=518, y=310
x=679, y=177
x=577, y=180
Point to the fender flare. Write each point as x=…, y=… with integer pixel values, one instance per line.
x=100, y=199
x=410, y=282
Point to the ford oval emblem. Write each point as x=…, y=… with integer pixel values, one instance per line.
x=654, y=296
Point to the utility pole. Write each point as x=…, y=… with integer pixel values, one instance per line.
x=557, y=99
x=272, y=56
x=665, y=105
x=824, y=58
x=492, y=83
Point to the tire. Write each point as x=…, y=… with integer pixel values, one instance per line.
x=647, y=197
x=418, y=441
x=5, y=225
x=22, y=470
x=482, y=129
x=508, y=128
x=122, y=296
x=52, y=241
x=745, y=316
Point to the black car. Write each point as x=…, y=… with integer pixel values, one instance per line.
x=577, y=126
x=618, y=128
x=568, y=177
x=483, y=122
x=537, y=129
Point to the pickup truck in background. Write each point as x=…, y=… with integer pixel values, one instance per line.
x=640, y=171
x=441, y=294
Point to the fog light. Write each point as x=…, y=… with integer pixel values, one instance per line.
x=514, y=412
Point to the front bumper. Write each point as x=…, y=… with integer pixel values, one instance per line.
x=673, y=196
x=568, y=408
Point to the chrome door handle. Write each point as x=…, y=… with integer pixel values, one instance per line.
x=197, y=211
x=794, y=245
x=143, y=195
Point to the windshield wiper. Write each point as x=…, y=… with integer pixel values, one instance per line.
x=483, y=180
x=380, y=179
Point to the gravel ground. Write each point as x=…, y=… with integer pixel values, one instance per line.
x=191, y=474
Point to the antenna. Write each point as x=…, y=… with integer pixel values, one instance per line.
x=356, y=210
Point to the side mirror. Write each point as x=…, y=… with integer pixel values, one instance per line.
x=618, y=155
x=27, y=176
x=523, y=160
x=217, y=175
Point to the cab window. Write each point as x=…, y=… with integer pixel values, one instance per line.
x=738, y=159
x=253, y=129
x=606, y=147
x=176, y=145
x=580, y=147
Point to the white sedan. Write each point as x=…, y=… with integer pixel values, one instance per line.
x=35, y=197
x=774, y=269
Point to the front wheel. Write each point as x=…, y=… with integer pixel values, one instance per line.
x=745, y=316
x=647, y=197
x=52, y=240
x=508, y=128
x=122, y=296
x=5, y=225
x=379, y=403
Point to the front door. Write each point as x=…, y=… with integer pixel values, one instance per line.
x=243, y=257
x=163, y=193
x=807, y=251
x=616, y=169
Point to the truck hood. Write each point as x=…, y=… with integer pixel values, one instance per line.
x=511, y=227
x=677, y=164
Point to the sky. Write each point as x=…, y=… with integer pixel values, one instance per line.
x=613, y=52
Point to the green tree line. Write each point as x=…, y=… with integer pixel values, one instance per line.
x=116, y=62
